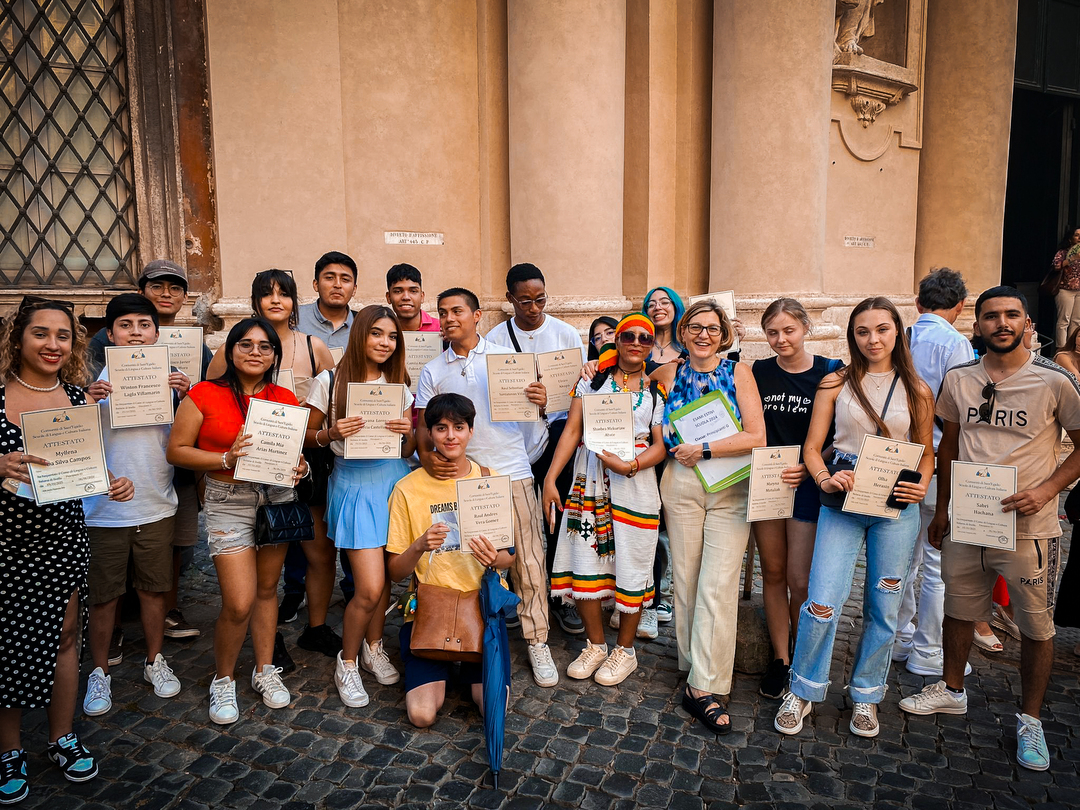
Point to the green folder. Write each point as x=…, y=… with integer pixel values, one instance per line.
x=740, y=474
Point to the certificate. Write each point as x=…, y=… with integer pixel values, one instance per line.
x=277, y=437
x=726, y=301
x=770, y=498
x=609, y=423
x=710, y=419
x=880, y=462
x=508, y=377
x=337, y=352
x=376, y=403
x=484, y=506
x=70, y=440
x=140, y=381
x=559, y=371
x=285, y=379
x=976, y=492
x=420, y=349
x=185, y=349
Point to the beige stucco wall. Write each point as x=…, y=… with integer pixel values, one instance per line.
x=276, y=107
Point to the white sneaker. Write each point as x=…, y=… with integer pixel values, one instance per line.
x=543, y=667
x=223, y=708
x=864, y=720
x=617, y=667
x=350, y=687
x=647, y=626
x=932, y=665
x=377, y=662
x=98, y=693
x=268, y=684
x=789, y=717
x=166, y=684
x=588, y=662
x=935, y=699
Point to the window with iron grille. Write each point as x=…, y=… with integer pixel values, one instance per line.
x=67, y=200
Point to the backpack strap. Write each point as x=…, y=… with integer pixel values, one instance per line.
x=485, y=472
x=513, y=335
x=311, y=356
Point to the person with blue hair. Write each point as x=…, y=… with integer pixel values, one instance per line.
x=665, y=309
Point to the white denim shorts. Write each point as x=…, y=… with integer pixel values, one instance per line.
x=230, y=512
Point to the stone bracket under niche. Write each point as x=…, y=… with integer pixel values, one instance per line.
x=870, y=85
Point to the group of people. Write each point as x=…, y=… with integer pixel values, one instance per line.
x=586, y=521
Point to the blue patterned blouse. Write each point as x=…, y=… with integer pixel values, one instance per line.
x=690, y=385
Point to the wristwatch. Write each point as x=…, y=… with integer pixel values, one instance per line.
x=705, y=451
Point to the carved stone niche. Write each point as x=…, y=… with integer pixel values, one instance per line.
x=877, y=53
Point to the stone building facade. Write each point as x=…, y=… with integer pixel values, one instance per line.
x=825, y=149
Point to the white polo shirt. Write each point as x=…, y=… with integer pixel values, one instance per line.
x=502, y=446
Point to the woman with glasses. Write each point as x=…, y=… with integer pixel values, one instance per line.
x=879, y=393
x=608, y=536
x=665, y=309
x=787, y=383
x=274, y=297
x=359, y=490
x=601, y=331
x=208, y=437
x=708, y=530
x=44, y=550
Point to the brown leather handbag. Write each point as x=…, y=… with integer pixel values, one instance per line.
x=448, y=625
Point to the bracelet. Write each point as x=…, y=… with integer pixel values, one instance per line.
x=817, y=478
x=635, y=465
x=224, y=461
x=317, y=432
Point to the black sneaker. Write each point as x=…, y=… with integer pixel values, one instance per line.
x=321, y=639
x=116, y=647
x=567, y=616
x=14, y=786
x=282, y=659
x=290, y=607
x=775, y=682
x=176, y=626
x=75, y=761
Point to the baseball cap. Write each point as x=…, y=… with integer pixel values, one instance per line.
x=163, y=268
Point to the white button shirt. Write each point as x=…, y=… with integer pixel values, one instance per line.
x=503, y=446
x=936, y=346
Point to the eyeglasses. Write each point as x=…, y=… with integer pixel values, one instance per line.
x=641, y=338
x=29, y=301
x=165, y=288
x=697, y=328
x=985, y=408
x=528, y=303
x=250, y=346
x=657, y=303
x=600, y=338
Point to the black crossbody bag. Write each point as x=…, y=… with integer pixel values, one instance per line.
x=835, y=500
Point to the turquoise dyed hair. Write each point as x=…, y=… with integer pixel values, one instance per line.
x=679, y=310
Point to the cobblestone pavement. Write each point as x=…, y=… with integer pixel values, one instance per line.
x=578, y=744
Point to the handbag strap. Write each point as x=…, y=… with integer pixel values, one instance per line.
x=888, y=399
x=513, y=335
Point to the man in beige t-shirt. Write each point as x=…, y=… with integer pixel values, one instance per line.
x=1007, y=408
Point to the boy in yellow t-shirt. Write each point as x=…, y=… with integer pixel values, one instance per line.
x=424, y=538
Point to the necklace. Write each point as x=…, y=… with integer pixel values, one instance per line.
x=25, y=384
x=625, y=387
x=873, y=375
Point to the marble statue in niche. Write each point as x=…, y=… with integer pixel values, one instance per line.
x=854, y=22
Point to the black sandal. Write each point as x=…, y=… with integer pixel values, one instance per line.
x=699, y=707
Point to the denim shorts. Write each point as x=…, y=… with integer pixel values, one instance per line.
x=230, y=512
x=420, y=671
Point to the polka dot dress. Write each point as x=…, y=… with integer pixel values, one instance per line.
x=44, y=557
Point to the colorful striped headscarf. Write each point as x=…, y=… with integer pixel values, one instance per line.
x=609, y=356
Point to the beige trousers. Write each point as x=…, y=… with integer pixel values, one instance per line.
x=708, y=534
x=529, y=569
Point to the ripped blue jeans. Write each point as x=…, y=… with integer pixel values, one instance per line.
x=840, y=537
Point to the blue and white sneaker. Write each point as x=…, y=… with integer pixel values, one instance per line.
x=13, y=784
x=74, y=759
x=1031, y=751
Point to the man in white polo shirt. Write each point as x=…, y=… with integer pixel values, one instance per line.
x=503, y=446
x=533, y=330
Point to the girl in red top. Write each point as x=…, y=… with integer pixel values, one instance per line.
x=206, y=437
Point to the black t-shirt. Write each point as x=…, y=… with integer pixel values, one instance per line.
x=787, y=399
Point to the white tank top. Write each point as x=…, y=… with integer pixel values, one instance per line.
x=852, y=422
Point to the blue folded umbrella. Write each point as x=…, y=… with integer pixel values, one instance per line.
x=496, y=603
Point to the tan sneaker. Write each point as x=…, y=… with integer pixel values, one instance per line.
x=789, y=717
x=864, y=720
x=617, y=667
x=590, y=660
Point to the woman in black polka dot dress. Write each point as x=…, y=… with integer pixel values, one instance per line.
x=44, y=550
